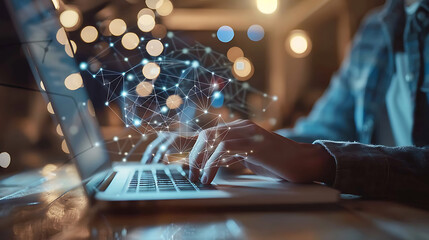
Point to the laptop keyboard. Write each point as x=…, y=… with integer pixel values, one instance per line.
x=163, y=181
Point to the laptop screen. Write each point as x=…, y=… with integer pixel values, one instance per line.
x=58, y=75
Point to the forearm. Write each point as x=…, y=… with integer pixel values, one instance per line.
x=379, y=171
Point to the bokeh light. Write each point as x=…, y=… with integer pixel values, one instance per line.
x=174, y=101
x=62, y=36
x=5, y=159
x=89, y=34
x=117, y=27
x=70, y=48
x=146, y=23
x=49, y=108
x=154, y=4
x=165, y=9
x=242, y=69
x=255, y=32
x=151, y=70
x=69, y=18
x=154, y=47
x=144, y=89
x=225, y=34
x=266, y=6
x=145, y=11
x=234, y=53
x=298, y=44
x=130, y=40
x=73, y=81
x=64, y=147
x=59, y=130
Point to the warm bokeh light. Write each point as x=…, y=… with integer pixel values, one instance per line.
x=144, y=89
x=56, y=4
x=68, y=48
x=117, y=27
x=234, y=53
x=89, y=34
x=165, y=9
x=42, y=86
x=64, y=147
x=298, y=44
x=154, y=47
x=174, y=101
x=266, y=6
x=49, y=108
x=69, y=18
x=242, y=69
x=151, y=70
x=146, y=23
x=61, y=36
x=154, y=4
x=145, y=11
x=59, y=130
x=130, y=41
x=73, y=81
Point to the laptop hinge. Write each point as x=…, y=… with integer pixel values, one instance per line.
x=104, y=184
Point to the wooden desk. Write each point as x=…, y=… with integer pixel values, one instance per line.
x=72, y=217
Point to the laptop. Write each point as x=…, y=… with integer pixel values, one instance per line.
x=107, y=180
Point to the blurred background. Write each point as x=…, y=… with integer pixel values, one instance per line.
x=303, y=44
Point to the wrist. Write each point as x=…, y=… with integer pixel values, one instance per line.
x=321, y=165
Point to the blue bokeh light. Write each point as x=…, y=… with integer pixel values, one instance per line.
x=217, y=99
x=225, y=34
x=255, y=32
x=83, y=66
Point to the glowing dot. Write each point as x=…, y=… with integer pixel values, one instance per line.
x=130, y=77
x=185, y=51
x=49, y=108
x=137, y=122
x=145, y=11
x=164, y=109
x=174, y=101
x=145, y=61
x=83, y=66
x=59, y=130
x=89, y=34
x=255, y=32
x=69, y=18
x=266, y=6
x=225, y=34
x=170, y=34
x=117, y=27
x=154, y=47
x=130, y=41
x=146, y=23
x=165, y=9
x=154, y=4
x=111, y=44
x=73, y=81
x=298, y=43
x=61, y=36
x=151, y=70
x=195, y=64
x=64, y=147
x=144, y=89
x=124, y=93
x=163, y=148
x=234, y=53
x=275, y=98
x=115, y=138
x=242, y=69
x=106, y=103
x=68, y=48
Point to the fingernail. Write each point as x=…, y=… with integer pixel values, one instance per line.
x=204, y=179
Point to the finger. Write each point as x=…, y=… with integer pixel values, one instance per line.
x=212, y=165
x=196, y=155
x=162, y=149
x=147, y=155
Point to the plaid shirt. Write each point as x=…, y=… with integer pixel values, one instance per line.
x=343, y=119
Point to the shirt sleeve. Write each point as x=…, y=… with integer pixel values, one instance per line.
x=379, y=171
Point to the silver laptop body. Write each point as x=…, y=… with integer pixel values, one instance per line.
x=167, y=185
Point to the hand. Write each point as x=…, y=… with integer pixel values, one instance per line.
x=261, y=151
x=165, y=143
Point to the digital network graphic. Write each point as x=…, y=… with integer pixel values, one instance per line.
x=165, y=84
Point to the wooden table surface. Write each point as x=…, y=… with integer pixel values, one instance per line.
x=54, y=215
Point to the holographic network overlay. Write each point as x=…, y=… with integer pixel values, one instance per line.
x=180, y=87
